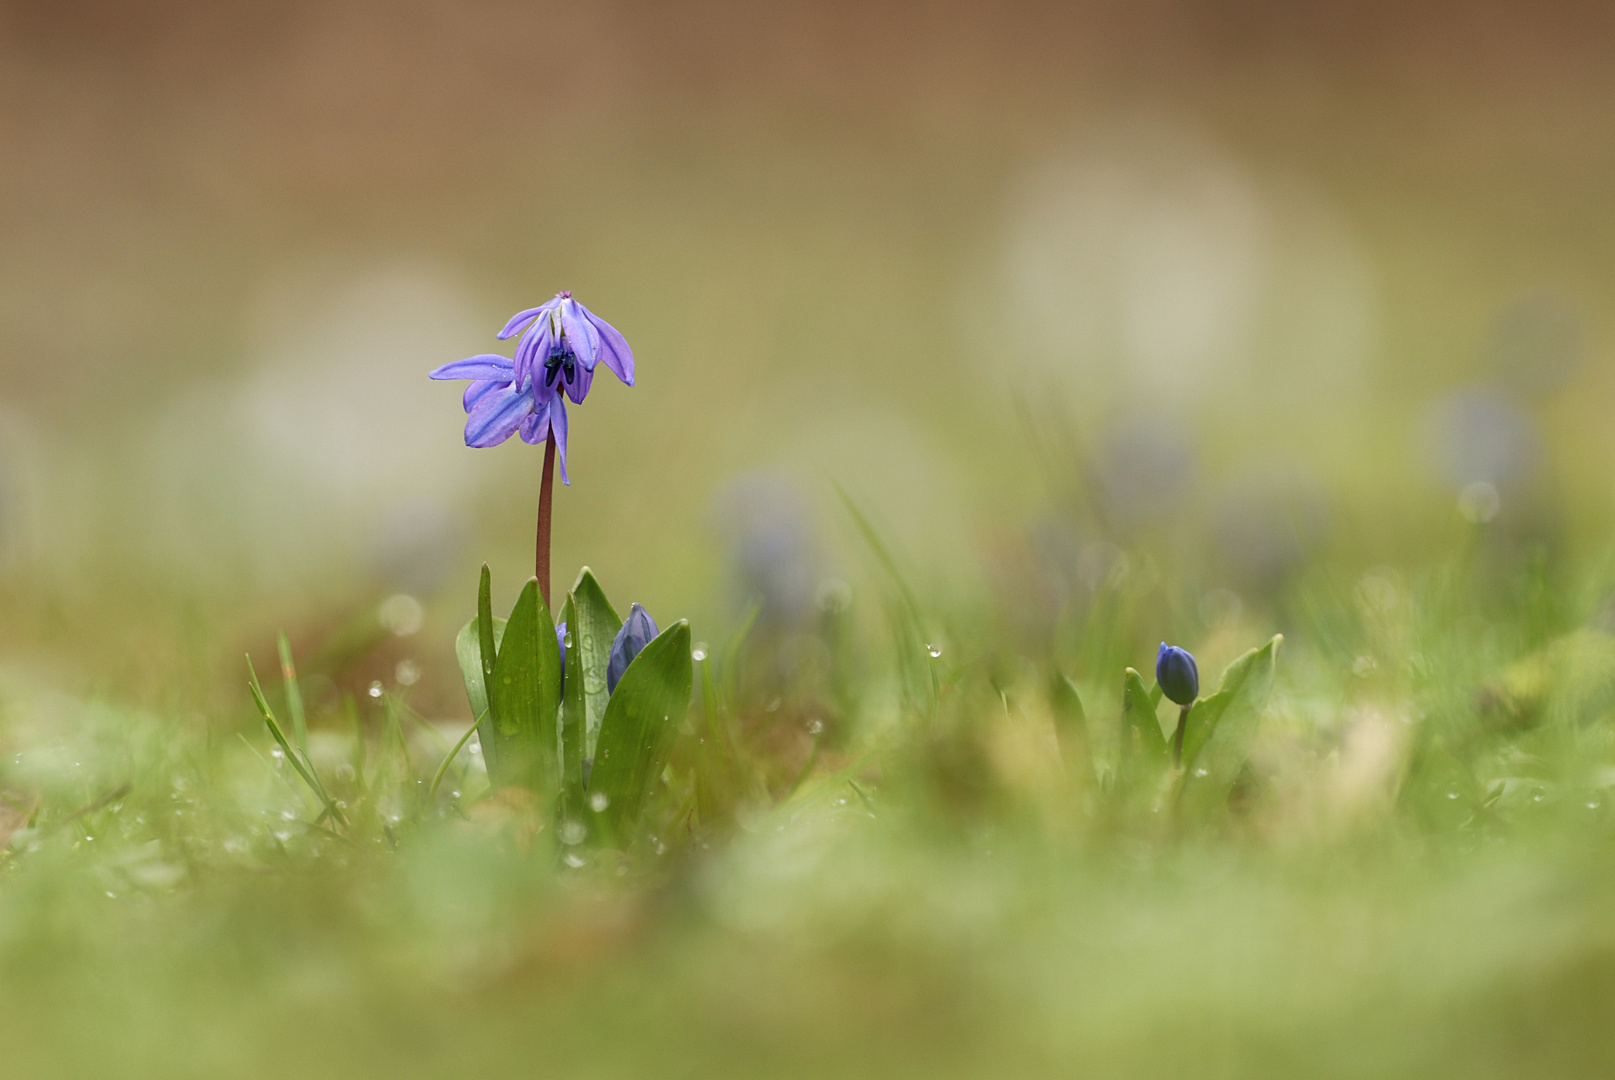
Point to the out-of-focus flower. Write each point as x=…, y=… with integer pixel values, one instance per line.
x=638, y=630
x=1177, y=674
x=496, y=410
x=773, y=556
x=560, y=345
x=1145, y=470
x=1483, y=436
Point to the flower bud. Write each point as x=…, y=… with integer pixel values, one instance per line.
x=1177, y=674
x=636, y=633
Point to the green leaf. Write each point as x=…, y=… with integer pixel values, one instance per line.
x=1071, y=725
x=1140, y=715
x=1208, y=713
x=594, y=625
x=524, y=695
x=294, y=696
x=1221, y=728
x=571, y=718
x=468, y=650
x=641, y=722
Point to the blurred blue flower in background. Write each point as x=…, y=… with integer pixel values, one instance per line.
x=773, y=555
x=638, y=630
x=1488, y=447
x=1145, y=470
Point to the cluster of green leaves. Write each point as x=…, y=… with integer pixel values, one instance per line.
x=1197, y=769
x=591, y=754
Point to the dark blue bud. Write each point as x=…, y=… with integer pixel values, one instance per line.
x=560, y=641
x=635, y=634
x=1177, y=674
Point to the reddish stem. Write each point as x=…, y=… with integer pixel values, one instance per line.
x=541, y=561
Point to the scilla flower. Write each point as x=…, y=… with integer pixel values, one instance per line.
x=637, y=632
x=1177, y=675
x=562, y=342
x=555, y=360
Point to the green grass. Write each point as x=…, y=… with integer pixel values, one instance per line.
x=876, y=862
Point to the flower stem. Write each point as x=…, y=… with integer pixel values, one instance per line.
x=541, y=561
x=1177, y=736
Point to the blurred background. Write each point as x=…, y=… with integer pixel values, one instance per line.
x=1179, y=295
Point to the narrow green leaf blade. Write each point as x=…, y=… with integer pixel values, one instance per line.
x=641, y=722
x=294, y=696
x=1140, y=715
x=571, y=718
x=594, y=624
x=468, y=650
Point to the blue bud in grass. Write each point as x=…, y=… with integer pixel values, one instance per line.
x=560, y=641
x=1177, y=674
x=637, y=632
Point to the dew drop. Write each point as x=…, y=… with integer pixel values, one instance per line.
x=699, y=652
x=408, y=673
x=375, y=689
x=599, y=801
x=1202, y=771
x=574, y=861
x=815, y=726
x=933, y=651
x=277, y=753
x=1452, y=794
x=572, y=832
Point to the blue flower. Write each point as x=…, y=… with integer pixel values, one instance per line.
x=1177, y=674
x=555, y=360
x=637, y=632
x=496, y=410
x=560, y=346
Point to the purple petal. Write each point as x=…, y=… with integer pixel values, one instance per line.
x=614, y=348
x=484, y=366
x=558, y=426
x=496, y=416
x=474, y=392
x=536, y=425
x=536, y=428
x=577, y=388
x=533, y=349
x=518, y=320
x=580, y=333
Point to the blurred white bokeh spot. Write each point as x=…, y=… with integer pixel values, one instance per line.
x=294, y=467
x=1147, y=261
